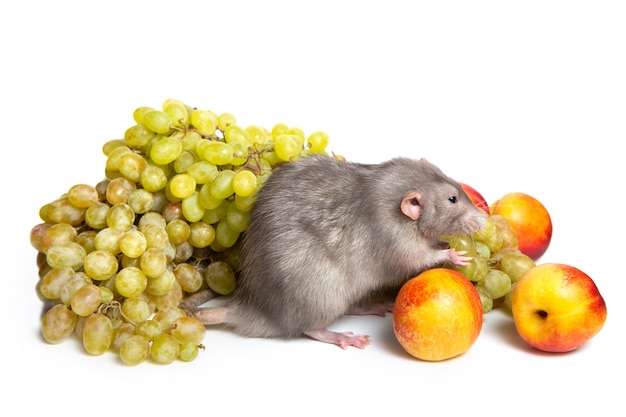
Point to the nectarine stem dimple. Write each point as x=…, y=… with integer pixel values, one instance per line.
x=542, y=313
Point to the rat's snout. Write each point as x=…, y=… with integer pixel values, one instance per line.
x=474, y=222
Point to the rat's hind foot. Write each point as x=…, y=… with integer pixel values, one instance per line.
x=343, y=340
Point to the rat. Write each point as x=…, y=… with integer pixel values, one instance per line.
x=325, y=234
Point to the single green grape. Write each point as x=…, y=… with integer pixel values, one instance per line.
x=178, y=231
x=132, y=165
x=161, y=284
x=222, y=185
x=485, y=299
x=188, y=330
x=514, y=263
x=235, y=133
x=177, y=113
x=138, y=136
x=56, y=234
x=463, y=243
x=215, y=152
x=201, y=234
x=156, y=236
x=204, y=122
x=82, y=195
x=166, y=316
x=157, y=121
x=149, y=329
x=188, y=352
x=96, y=215
x=66, y=254
x=133, y=243
x=469, y=270
x=244, y=183
x=182, y=185
x=240, y=154
x=97, y=334
x=245, y=203
x=189, y=277
x=134, y=350
x=191, y=208
x=258, y=134
x=86, y=300
x=225, y=120
x=164, y=349
x=51, y=283
x=317, y=141
x=122, y=332
x=139, y=113
x=279, y=129
x=108, y=239
x=203, y=171
x=482, y=267
x=220, y=277
x=165, y=150
x=184, y=252
x=237, y=220
x=121, y=217
x=184, y=161
x=58, y=323
x=153, y=178
x=130, y=282
x=190, y=140
x=141, y=201
x=496, y=282
x=106, y=294
x=287, y=147
x=136, y=309
x=119, y=189
x=206, y=199
x=151, y=219
x=482, y=250
x=225, y=235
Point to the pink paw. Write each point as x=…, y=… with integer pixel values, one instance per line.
x=343, y=340
x=457, y=258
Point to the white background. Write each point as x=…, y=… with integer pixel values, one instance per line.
x=503, y=95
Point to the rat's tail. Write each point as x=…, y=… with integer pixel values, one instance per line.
x=208, y=315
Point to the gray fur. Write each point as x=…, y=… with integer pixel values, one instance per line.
x=324, y=234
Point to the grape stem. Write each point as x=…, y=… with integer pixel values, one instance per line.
x=104, y=308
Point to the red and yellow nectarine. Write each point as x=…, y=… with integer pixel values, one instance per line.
x=557, y=307
x=437, y=315
x=529, y=220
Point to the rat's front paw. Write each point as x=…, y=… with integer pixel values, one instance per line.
x=458, y=258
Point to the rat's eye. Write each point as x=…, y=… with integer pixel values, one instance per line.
x=452, y=199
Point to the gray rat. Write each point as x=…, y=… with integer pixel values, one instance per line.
x=325, y=234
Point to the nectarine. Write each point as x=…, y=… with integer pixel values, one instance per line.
x=437, y=315
x=557, y=307
x=529, y=220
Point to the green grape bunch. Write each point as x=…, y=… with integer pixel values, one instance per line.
x=116, y=259
x=497, y=262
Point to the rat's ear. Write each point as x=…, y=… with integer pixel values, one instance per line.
x=410, y=205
